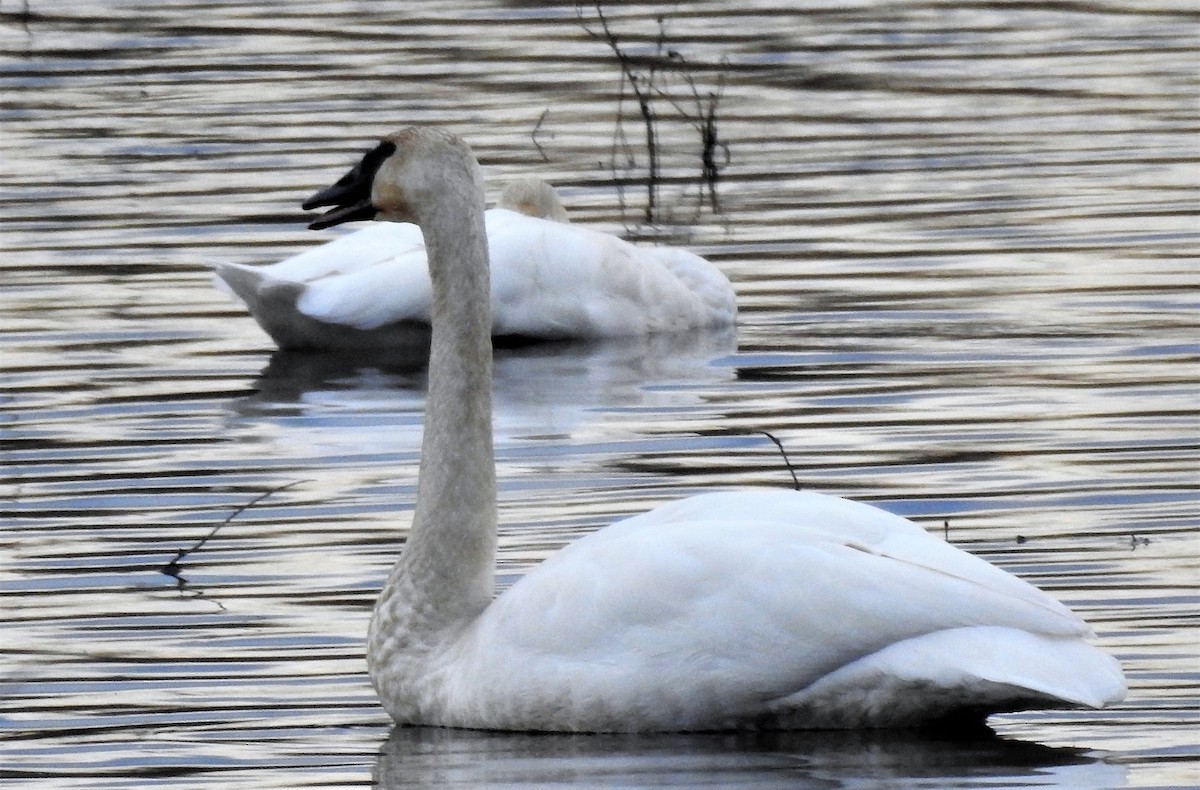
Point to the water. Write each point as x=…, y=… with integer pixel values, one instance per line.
x=963, y=238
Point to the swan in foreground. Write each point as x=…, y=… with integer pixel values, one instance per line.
x=765, y=608
x=550, y=280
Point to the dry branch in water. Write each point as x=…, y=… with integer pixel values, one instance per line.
x=783, y=452
x=651, y=77
x=174, y=569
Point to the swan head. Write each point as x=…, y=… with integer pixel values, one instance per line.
x=397, y=178
x=534, y=197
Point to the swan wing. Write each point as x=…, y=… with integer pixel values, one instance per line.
x=393, y=290
x=378, y=242
x=548, y=280
x=703, y=279
x=722, y=607
x=551, y=279
x=855, y=524
x=362, y=280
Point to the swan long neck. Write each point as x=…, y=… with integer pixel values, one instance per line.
x=446, y=574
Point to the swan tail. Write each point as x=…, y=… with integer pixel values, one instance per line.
x=271, y=302
x=244, y=282
x=954, y=674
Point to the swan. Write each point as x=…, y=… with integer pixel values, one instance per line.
x=756, y=608
x=550, y=280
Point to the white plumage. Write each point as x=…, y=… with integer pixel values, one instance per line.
x=748, y=609
x=550, y=280
x=757, y=608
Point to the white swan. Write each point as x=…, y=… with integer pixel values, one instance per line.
x=756, y=608
x=550, y=280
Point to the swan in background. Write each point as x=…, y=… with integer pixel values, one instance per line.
x=550, y=280
x=760, y=608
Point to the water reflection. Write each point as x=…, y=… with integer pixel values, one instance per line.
x=964, y=242
x=434, y=758
x=545, y=388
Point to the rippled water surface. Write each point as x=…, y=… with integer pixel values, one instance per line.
x=964, y=242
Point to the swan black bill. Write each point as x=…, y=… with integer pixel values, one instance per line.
x=350, y=196
x=343, y=214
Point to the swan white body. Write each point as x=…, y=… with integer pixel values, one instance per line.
x=749, y=609
x=550, y=280
x=756, y=608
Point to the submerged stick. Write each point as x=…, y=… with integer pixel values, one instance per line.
x=783, y=452
x=537, y=128
x=640, y=75
x=646, y=78
x=173, y=568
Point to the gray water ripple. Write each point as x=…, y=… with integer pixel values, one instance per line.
x=963, y=239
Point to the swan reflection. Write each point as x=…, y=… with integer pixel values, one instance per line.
x=438, y=758
x=544, y=388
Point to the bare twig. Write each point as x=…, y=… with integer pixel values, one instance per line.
x=705, y=123
x=641, y=82
x=783, y=452
x=534, y=134
x=173, y=568
x=647, y=78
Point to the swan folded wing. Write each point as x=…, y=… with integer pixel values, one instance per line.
x=703, y=279
x=359, y=280
x=675, y=621
x=555, y=280
x=857, y=523
x=394, y=290
x=349, y=253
